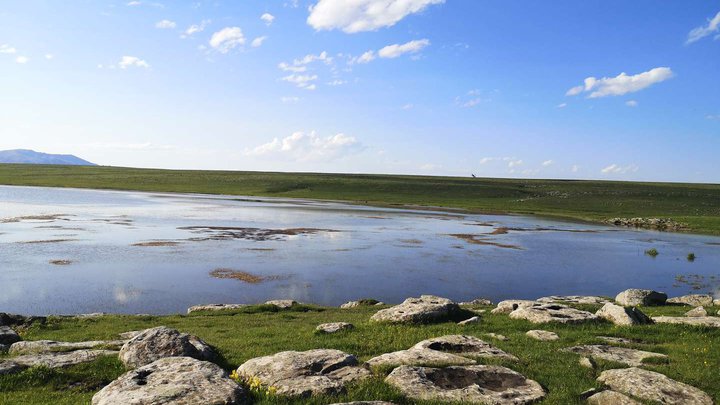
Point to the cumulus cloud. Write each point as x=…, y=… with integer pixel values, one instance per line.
x=515, y=163
x=301, y=81
x=165, y=24
x=363, y=15
x=622, y=83
x=302, y=146
x=712, y=27
x=5, y=48
x=367, y=57
x=227, y=39
x=300, y=66
x=617, y=169
x=268, y=18
x=195, y=28
x=132, y=61
x=393, y=51
x=257, y=42
x=22, y=60
x=548, y=163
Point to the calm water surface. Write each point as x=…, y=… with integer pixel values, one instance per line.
x=132, y=252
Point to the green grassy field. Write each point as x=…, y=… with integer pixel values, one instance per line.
x=697, y=205
x=262, y=330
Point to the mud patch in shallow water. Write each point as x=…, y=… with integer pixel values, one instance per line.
x=54, y=217
x=156, y=243
x=478, y=240
x=60, y=262
x=250, y=278
x=254, y=234
x=33, y=242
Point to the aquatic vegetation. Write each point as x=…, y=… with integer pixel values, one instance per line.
x=61, y=262
x=652, y=252
x=477, y=240
x=242, y=276
x=691, y=257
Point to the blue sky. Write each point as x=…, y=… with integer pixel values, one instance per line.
x=536, y=89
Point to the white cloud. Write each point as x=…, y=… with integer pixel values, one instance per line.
x=134, y=3
x=291, y=68
x=307, y=59
x=22, y=60
x=515, y=163
x=575, y=168
x=562, y=105
x=268, y=18
x=289, y=99
x=712, y=27
x=195, y=28
x=471, y=103
x=165, y=24
x=336, y=82
x=408, y=106
x=257, y=42
x=301, y=66
x=713, y=117
x=617, y=169
x=548, y=163
x=631, y=103
x=301, y=81
x=393, y=51
x=367, y=57
x=227, y=38
x=302, y=146
x=49, y=56
x=622, y=83
x=5, y=48
x=363, y=15
x=132, y=61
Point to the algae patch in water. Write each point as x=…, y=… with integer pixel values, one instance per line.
x=226, y=273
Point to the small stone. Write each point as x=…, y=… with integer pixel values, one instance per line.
x=631, y=357
x=716, y=302
x=545, y=313
x=710, y=321
x=652, y=386
x=477, y=301
x=588, y=362
x=697, y=312
x=507, y=306
x=474, y=319
x=426, y=309
x=497, y=336
x=611, y=398
x=624, y=316
x=8, y=336
x=334, y=327
x=215, y=307
x=542, y=335
x=634, y=297
x=694, y=300
x=155, y=343
x=282, y=304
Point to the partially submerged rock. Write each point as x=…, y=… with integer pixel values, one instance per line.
x=172, y=380
x=215, y=307
x=47, y=346
x=634, y=297
x=542, y=335
x=544, y=313
x=474, y=319
x=61, y=359
x=155, y=343
x=507, y=306
x=474, y=384
x=361, y=303
x=697, y=312
x=611, y=398
x=631, y=357
x=625, y=316
x=573, y=299
x=426, y=309
x=282, y=304
x=694, y=300
x=711, y=321
x=8, y=336
x=313, y=372
x=334, y=327
x=652, y=386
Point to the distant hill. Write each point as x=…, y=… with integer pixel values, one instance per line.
x=37, y=158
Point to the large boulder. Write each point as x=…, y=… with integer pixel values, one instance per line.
x=631, y=357
x=426, y=309
x=466, y=346
x=634, y=297
x=694, y=300
x=47, y=346
x=155, y=343
x=419, y=357
x=282, y=304
x=544, y=313
x=61, y=359
x=480, y=384
x=215, y=307
x=172, y=380
x=711, y=321
x=313, y=372
x=611, y=398
x=507, y=306
x=654, y=387
x=8, y=336
x=625, y=316
x=573, y=299
x=696, y=312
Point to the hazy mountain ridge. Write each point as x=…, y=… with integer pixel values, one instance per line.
x=26, y=156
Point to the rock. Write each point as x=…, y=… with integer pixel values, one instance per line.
x=4, y=349
x=634, y=297
x=618, y=340
x=61, y=359
x=497, y=336
x=47, y=346
x=716, y=302
x=282, y=304
x=611, y=398
x=697, y=312
x=660, y=224
x=466, y=346
x=360, y=303
x=334, y=327
x=314, y=372
x=694, y=300
x=477, y=301
x=469, y=384
x=507, y=306
x=710, y=321
x=19, y=320
x=8, y=336
x=588, y=362
x=10, y=367
x=542, y=335
x=625, y=316
x=652, y=386
x=573, y=299
x=172, y=380
x=129, y=335
x=419, y=357
x=624, y=355
x=215, y=307
x=364, y=403
x=474, y=319
x=426, y=309
x=156, y=343
x=544, y=313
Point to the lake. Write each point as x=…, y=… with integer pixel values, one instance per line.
x=69, y=251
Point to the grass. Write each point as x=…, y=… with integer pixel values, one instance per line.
x=697, y=205
x=652, y=252
x=263, y=330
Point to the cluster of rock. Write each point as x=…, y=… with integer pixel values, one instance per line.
x=660, y=224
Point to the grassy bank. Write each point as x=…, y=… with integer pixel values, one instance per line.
x=697, y=205
x=262, y=330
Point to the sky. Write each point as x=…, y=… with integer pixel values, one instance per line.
x=498, y=88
